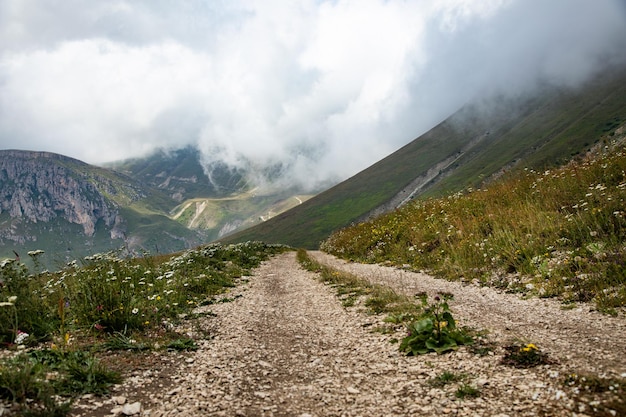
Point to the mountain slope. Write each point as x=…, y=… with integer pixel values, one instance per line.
x=70, y=209
x=180, y=174
x=217, y=217
x=473, y=145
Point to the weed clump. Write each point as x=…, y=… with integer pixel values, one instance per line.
x=434, y=330
x=524, y=356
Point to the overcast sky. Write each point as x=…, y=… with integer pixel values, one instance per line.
x=325, y=88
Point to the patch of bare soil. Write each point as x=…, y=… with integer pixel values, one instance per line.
x=287, y=347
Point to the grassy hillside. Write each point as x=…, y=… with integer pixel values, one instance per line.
x=558, y=232
x=473, y=145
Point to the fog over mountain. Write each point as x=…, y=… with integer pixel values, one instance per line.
x=313, y=90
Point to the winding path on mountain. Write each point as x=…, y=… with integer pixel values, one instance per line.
x=285, y=346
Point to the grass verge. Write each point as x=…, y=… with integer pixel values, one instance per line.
x=58, y=326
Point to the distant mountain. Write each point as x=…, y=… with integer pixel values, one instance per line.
x=212, y=199
x=70, y=209
x=162, y=203
x=472, y=147
x=180, y=174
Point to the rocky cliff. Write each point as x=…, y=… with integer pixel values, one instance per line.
x=40, y=187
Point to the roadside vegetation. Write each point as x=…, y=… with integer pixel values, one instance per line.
x=555, y=233
x=55, y=327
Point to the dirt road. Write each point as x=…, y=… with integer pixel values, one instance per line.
x=286, y=347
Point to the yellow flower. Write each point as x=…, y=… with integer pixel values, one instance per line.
x=529, y=347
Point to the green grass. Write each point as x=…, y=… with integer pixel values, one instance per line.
x=466, y=391
x=107, y=303
x=556, y=233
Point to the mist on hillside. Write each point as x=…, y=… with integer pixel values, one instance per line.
x=302, y=94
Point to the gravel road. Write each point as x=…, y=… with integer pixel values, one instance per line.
x=286, y=347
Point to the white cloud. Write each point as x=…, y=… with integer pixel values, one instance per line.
x=98, y=99
x=324, y=88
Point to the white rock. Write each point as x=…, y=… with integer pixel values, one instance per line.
x=119, y=400
x=131, y=409
x=353, y=390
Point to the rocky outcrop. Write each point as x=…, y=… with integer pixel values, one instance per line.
x=41, y=186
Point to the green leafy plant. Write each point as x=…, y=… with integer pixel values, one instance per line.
x=77, y=371
x=435, y=330
x=43, y=382
x=524, y=356
x=87, y=375
x=25, y=385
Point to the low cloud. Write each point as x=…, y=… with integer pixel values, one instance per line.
x=314, y=90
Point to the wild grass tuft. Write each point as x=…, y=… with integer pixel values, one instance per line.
x=560, y=232
x=445, y=378
x=466, y=391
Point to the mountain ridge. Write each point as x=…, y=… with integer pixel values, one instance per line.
x=65, y=206
x=168, y=201
x=472, y=146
